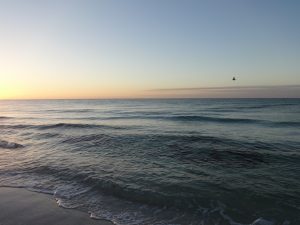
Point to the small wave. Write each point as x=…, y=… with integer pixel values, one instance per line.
x=264, y=106
x=10, y=145
x=74, y=125
x=67, y=125
x=196, y=118
x=287, y=124
x=212, y=119
x=17, y=126
x=188, y=118
x=58, y=125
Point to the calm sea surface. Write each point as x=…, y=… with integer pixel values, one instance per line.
x=158, y=162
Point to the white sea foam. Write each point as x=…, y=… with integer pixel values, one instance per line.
x=67, y=205
x=261, y=221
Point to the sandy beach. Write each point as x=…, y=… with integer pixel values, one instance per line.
x=22, y=207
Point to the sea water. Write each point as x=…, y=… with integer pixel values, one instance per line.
x=158, y=162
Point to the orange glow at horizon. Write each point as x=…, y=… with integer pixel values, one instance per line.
x=11, y=89
x=62, y=93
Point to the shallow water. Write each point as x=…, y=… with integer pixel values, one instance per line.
x=208, y=161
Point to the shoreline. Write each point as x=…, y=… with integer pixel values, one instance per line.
x=19, y=206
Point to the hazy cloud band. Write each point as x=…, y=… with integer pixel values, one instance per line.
x=254, y=91
x=226, y=88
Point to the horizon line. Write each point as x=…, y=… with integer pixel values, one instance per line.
x=141, y=98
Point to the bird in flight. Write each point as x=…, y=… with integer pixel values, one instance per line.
x=233, y=78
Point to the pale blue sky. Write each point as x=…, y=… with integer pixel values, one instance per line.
x=85, y=48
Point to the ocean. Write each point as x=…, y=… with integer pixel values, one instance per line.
x=158, y=162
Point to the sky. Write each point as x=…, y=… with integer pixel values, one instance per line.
x=149, y=48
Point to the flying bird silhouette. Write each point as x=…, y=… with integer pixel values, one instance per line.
x=233, y=78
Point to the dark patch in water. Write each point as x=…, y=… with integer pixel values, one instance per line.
x=61, y=125
x=47, y=135
x=5, y=117
x=18, y=126
x=10, y=145
x=71, y=125
x=93, y=139
x=70, y=110
x=212, y=119
x=186, y=118
x=237, y=158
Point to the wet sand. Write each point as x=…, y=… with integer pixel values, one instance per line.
x=21, y=207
